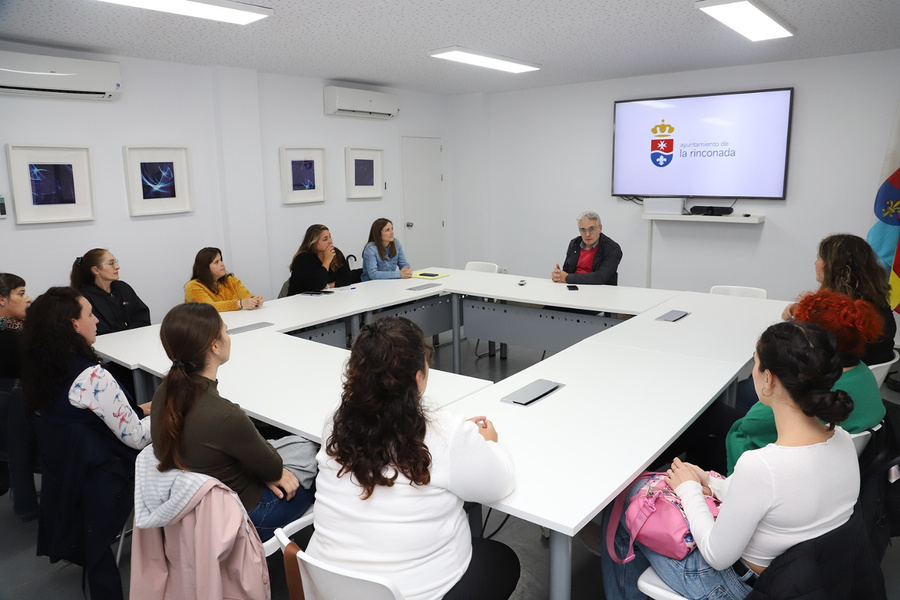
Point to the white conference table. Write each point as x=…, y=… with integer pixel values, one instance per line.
x=296, y=384
x=282, y=380
x=630, y=390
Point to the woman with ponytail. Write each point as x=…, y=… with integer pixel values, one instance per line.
x=799, y=487
x=853, y=323
x=195, y=429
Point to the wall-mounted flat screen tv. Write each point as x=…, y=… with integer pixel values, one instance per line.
x=732, y=145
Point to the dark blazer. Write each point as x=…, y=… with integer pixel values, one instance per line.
x=606, y=263
x=119, y=310
x=838, y=565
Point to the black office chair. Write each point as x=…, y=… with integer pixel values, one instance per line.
x=87, y=494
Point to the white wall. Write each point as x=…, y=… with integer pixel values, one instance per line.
x=518, y=167
x=163, y=105
x=291, y=115
x=550, y=158
x=232, y=121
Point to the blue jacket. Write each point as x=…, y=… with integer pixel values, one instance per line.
x=375, y=268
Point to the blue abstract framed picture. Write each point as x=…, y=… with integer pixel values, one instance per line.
x=302, y=175
x=364, y=172
x=157, y=180
x=50, y=184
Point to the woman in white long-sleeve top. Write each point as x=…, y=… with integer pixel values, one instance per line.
x=800, y=487
x=393, y=477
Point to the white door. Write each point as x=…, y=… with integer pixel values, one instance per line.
x=423, y=224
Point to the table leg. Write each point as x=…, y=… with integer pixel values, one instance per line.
x=456, y=321
x=143, y=386
x=354, y=326
x=560, y=566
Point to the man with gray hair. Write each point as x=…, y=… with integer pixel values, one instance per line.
x=592, y=258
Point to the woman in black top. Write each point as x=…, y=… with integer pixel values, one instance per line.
x=317, y=264
x=117, y=307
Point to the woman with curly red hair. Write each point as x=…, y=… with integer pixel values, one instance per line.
x=854, y=323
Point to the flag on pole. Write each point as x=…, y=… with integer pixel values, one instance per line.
x=884, y=236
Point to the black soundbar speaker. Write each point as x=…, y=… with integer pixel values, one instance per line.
x=711, y=211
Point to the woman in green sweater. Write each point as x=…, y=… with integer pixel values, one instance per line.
x=854, y=323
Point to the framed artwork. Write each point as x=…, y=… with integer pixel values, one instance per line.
x=50, y=184
x=302, y=175
x=157, y=180
x=364, y=172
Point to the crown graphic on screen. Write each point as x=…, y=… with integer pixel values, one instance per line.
x=662, y=129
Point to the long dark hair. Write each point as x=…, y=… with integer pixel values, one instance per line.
x=850, y=267
x=201, y=271
x=81, y=274
x=379, y=428
x=313, y=234
x=50, y=344
x=805, y=359
x=375, y=237
x=187, y=332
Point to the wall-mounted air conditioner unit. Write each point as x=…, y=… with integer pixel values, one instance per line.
x=360, y=103
x=51, y=76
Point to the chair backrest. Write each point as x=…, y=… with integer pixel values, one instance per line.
x=322, y=581
x=284, y=289
x=738, y=290
x=880, y=371
x=861, y=439
x=273, y=543
x=483, y=267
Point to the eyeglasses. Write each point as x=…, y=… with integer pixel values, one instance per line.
x=588, y=230
x=113, y=263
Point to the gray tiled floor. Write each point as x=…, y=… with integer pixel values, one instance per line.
x=25, y=576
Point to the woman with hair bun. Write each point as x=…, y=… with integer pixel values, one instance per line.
x=853, y=323
x=846, y=264
x=799, y=487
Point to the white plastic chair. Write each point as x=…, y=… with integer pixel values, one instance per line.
x=482, y=267
x=738, y=290
x=861, y=439
x=325, y=582
x=651, y=584
x=880, y=371
x=271, y=545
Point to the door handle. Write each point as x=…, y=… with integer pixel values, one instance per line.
x=409, y=224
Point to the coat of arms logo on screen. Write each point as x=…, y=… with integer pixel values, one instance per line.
x=662, y=146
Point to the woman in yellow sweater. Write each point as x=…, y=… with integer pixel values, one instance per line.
x=212, y=284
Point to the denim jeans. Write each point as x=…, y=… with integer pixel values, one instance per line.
x=691, y=576
x=273, y=512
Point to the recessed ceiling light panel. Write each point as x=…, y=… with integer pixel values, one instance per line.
x=483, y=59
x=750, y=18
x=226, y=11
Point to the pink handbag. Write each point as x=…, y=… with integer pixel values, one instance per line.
x=656, y=519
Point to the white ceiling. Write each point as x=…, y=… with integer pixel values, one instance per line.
x=386, y=42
